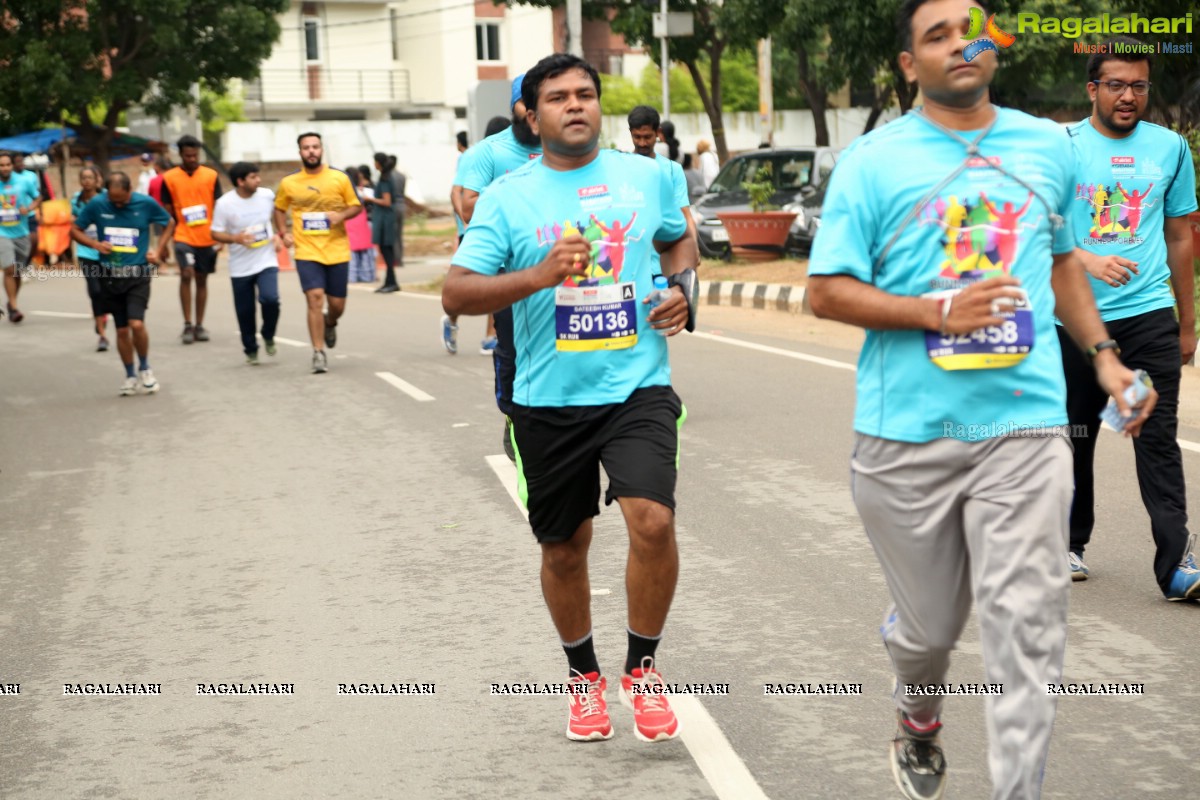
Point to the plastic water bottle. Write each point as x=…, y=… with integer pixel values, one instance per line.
x=661, y=293
x=1138, y=391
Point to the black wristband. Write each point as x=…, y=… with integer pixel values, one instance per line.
x=690, y=284
x=1107, y=344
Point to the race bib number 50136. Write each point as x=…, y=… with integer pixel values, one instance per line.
x=595, y=317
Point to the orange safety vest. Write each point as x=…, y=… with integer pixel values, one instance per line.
x=192, y=200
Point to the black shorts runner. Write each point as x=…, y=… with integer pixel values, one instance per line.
x=125, y=298
x=201, y=259
x=560, y=450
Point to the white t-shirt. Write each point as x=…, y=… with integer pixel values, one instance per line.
x=234, y=214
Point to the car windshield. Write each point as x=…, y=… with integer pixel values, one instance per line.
x=788, y=171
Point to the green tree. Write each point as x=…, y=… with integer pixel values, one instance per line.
x=58, y=57
x=217, y=110
x=797, y=26
x=700, y=53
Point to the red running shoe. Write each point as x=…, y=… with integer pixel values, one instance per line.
x=588, y=718
x=645, y=693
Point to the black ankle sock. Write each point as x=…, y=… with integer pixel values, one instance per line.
x=639, y=648
x=581, y=656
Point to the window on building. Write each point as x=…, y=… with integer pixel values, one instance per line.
x=312, y=39
x=395, y=26
x=487, y=41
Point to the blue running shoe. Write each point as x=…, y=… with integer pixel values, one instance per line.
x=1079, y=570
x=487, y=346
x=449, y=335
x=1185, y=583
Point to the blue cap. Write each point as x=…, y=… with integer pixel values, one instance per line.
x=516, y=90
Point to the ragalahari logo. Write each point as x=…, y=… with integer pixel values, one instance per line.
x=992, y=37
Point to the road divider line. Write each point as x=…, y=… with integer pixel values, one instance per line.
x=62, y=314
x=716, y=758
x=420, y=295
x=1184, y=444
x=405, y=386
x=719, y=763
x=292, y=342
x=777, y=351
x=506, y=471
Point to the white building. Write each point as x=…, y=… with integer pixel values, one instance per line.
x=355, y=60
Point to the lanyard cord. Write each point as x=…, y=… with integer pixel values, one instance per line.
x=972, y=147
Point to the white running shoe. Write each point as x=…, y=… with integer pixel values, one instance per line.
x=149, y=383
x=129, y=387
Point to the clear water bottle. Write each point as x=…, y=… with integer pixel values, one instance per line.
x=661, y=293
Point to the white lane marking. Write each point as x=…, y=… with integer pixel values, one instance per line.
x=777, y=351
x=716, y=758
x=713, y=754
x=292, y=342
x=63, y=314
x=405, y=386
x=1184, y=444
x=461, y=425
x=421, y=295
x=601, y=592
x=506, y=471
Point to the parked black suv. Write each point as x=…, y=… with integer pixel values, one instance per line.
x=800, y=175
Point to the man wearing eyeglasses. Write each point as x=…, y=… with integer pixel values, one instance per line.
x=1134, y=241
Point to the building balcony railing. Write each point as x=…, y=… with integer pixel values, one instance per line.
x=319, y=84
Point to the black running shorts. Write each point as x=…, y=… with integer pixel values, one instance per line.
x=125, y=299
x=560, y=450
x=201, y=259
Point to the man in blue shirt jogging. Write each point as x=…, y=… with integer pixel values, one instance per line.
x=122, y=219
x=592, y=384
x=941, y=235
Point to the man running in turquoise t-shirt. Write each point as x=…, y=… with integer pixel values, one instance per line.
x=592, y=383
x=961, y=470
x=1138, y=251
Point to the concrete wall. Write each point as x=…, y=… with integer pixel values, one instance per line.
x=425, y=150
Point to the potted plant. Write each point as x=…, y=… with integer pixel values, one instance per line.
x=761, y=233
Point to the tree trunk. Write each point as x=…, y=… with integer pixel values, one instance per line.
x=712, y=102
x=818, y=98
x=906, y=92
x=883, y=96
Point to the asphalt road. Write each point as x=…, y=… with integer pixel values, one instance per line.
x=265, y=525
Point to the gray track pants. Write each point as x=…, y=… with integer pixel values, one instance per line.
x=950, y=520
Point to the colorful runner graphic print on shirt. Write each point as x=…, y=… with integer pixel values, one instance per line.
x=1116, y=209
x=980, y=239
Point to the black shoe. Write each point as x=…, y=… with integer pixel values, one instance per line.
x=509, y=450
x=330, y=334
x=918, y=764
x=387, y=289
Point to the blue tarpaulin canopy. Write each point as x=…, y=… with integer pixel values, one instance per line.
x=36, y=141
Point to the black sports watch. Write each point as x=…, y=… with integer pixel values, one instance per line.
x=1107, y=344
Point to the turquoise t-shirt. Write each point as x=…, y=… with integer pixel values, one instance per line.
x=1123, y=190
x=77, y=205
x=678, y=181
x=496, y=155
x=585, y=343
x=464, y=160
x=127, y=227
x=981, y=225
x=35, y=186
x=15, y=193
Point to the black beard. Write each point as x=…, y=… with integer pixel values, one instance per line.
x=1109, y=121
x=523, y=133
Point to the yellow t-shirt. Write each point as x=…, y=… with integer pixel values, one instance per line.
x=310, y=198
